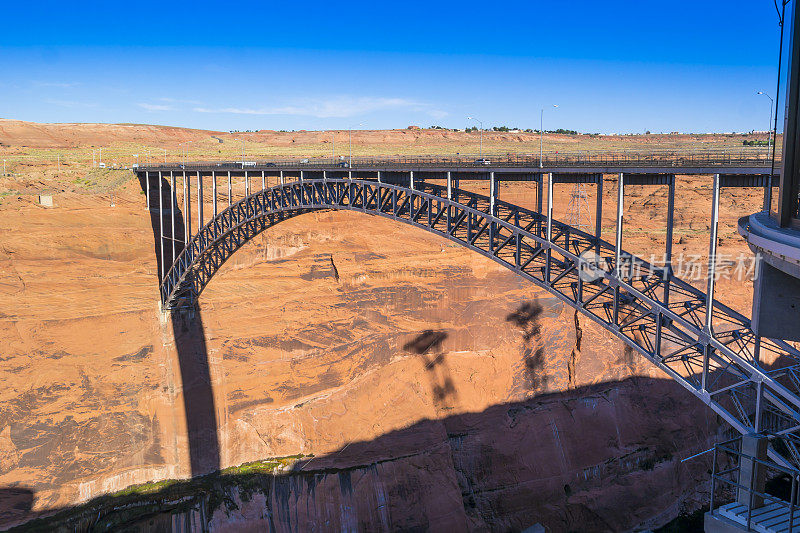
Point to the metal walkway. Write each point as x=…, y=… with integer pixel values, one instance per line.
x=774, y=517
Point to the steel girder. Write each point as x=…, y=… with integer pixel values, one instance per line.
x=657, y=314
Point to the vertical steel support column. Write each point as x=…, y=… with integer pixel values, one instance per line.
x=161, y=225
x=230, y=188
x=598, y=213
x=214, y=191
x=449, y=186
x=199, y=200
x=283, y=181
x=668, y=246
x=350, y=174
x=173, y=205
x=449, y=207
x=712, y=257
x=147, y=188
x=549, y=225
x=539, y=194
x=411, y=177
x=263, y=180
x=301, y=175
x=492, y=193
x=187, y=204
x=379, y=176
x=759, y=396
x=246, y=184
x=618, y=245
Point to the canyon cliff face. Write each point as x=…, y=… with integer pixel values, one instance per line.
x=423, y=386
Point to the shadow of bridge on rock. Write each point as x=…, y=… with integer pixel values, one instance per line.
x=189, y=336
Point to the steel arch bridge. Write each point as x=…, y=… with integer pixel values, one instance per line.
x=702, y=344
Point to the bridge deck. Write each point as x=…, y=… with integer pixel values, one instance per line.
x=481, y=172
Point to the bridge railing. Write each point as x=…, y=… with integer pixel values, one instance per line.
x=740, y=492
x=670, y=157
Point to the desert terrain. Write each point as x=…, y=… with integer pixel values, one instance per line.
x=310, y=336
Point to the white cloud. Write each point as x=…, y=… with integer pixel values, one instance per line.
x=155, y=107
x=179, y=101
x=338, y=107
x=69, y=103
x=60, y=85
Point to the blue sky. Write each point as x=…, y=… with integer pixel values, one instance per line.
x=613, y=66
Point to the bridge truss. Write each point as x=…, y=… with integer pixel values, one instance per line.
x=707, y=347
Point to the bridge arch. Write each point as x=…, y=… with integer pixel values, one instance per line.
x=657, y=314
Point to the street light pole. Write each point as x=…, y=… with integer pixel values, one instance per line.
x=333, y=147
x=481, y=123
x=771, y=104
x=350, y=136
x=185, y=152
x=165, y=155
x=242, y=141
x=541, y=135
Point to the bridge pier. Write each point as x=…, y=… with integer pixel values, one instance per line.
x=263, y=180
x=199, y=200
x=712, y=258
x=411, y=179
x=214, y=192
x=187, y=202
x=147, y=189
x=449, y=186
x=598, y=214
x=549, y=226
x=492, y=193
x=161, y=226
x=668, y=244
x=539, y=200
x=618, y=245
x=173, y=201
